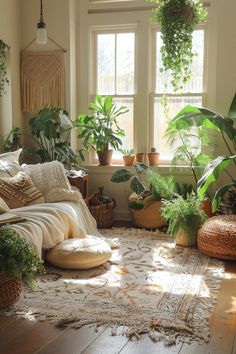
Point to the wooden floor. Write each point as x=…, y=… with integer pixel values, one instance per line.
x=19, y=336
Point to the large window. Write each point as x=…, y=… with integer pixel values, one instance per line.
x=115, y=76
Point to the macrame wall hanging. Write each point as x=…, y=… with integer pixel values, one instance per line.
x=42, y=80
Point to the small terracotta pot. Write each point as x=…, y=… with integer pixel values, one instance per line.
x=153, y=158
x=140, y=157
x=104, y=157
x=128, y=160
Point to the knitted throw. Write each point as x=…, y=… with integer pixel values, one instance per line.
x=42, y=80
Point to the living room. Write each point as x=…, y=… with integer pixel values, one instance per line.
x=73, y=28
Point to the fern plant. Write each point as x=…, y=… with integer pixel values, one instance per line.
x=161, y=186
x=184, y=214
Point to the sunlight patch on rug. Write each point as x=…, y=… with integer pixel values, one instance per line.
x=150, y=286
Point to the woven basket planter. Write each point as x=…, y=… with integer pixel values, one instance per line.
x=217, y=237
x=149, y=217
x=103, y=214
x=10, y=290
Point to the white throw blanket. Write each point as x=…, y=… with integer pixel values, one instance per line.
x=50, y=223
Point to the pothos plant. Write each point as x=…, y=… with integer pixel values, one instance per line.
x=178, y=19
x=4, y=80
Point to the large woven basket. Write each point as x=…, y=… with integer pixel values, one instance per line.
x=10, y=290
x=148, y=217
x=217, y=237
x=103, y=214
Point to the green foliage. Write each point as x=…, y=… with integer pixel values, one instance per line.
x=184, y=189
x=4, y=80
x=51, y=129
x=127, y=152
x=100, y=129
x=161, y=186
x=183, y=213
x=178, y=19
x=187, y=141
x=17, y=256
x=203, y=118
x=136, y=181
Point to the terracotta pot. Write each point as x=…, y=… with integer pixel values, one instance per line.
x=128, y=160
x=104, y=157
x=153, y=158
x=148, y=217
x=206, y=207
x=140, y=157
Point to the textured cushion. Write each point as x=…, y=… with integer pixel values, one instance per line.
x=9, y=165
x=50, y=179
x=19, y=191
x=80, y=253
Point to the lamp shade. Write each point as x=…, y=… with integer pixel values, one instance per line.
x=41, y=36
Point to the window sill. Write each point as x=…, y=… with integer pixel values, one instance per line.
x=162, y=169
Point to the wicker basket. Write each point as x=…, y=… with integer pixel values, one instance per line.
x=217, y=237
x=148, y=217
x=10, y=290
x=103, y=213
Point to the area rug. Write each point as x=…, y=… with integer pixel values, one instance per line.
x=150, y=286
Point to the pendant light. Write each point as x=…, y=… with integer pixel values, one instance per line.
x=41, y=35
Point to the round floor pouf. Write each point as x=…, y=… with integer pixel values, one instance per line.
x=217, y=237
x=80, y=253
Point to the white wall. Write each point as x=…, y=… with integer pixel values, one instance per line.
x=10, y=32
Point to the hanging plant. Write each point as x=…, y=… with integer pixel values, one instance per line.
x=178, y=19
x=3, y=68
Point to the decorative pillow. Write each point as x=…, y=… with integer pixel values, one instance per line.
x=9, y=165
x=19, y=191
x=80, y=253
x=50, y=178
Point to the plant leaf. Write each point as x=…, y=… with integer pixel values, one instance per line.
x=136, y=185
x=122, y=175
x=220, y=194
x=232, y=110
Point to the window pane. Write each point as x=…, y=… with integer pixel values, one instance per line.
x=125, y=63
x=125, y=121
x=160, y=122
x=106, y=64
x=195, y=84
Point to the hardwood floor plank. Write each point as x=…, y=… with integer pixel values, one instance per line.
x=34, y=336
x=71, y=341
x=146, y=345
x=107, y=344
x=6, y=321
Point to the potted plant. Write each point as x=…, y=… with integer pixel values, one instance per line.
x=153, y=157
x=128, y=156
x=177, y=19
x=149, y=188
x=18, y=260
x=4, y=80
x=100, y=130
x=184, y=218
x=51, y=129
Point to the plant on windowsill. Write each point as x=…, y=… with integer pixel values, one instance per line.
x=4, y=80
x=128, y=156
x=184, y=218
x=100, y=130
x=178, y=19
x=18, y=260
x=149, y=188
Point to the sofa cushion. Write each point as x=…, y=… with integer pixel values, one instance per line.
x=80, y=253
x=9, y=165
x=19, y=191
x=51, y=180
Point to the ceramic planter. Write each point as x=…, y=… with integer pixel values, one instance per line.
x=128, y=160
x=153, y=158
x=104, y=157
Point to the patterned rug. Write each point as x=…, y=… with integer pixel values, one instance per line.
x=150, y=286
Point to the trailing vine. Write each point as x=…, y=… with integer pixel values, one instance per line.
x=177, y=19
x=4, y=80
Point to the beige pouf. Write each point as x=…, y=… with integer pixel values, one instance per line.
x=217, y=237
x=80, y=253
